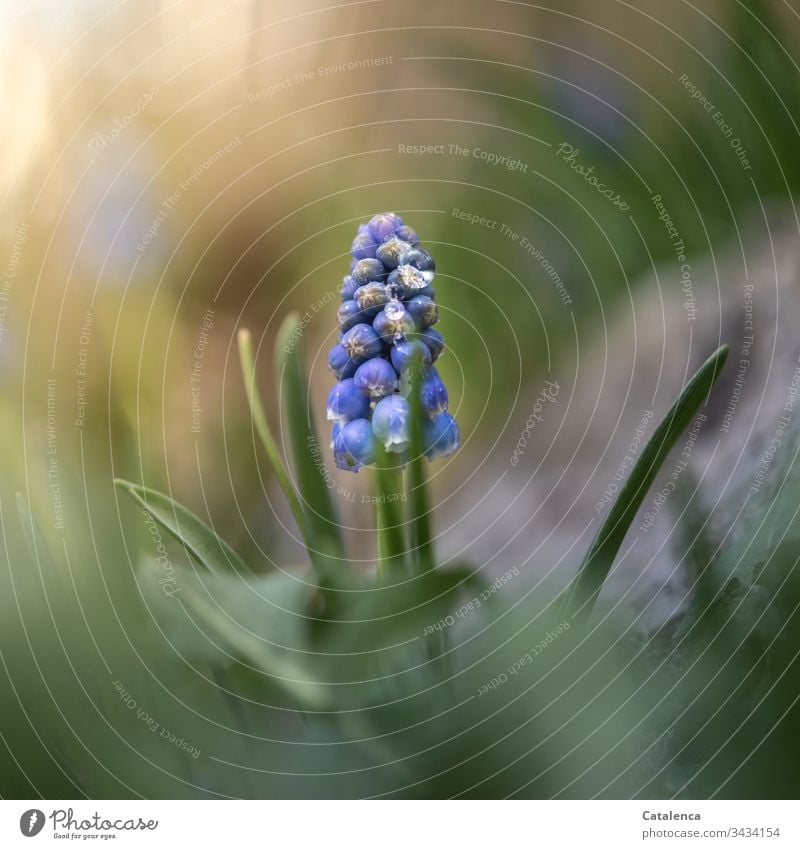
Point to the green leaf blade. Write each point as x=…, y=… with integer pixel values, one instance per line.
x=325, y=541
x=265, y=434
x=200, y=541
x=586, y=585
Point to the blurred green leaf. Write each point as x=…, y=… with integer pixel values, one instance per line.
x=287, y=673
x=202, y=543
x=263, y=622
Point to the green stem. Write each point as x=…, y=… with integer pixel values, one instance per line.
x=262, y=427
x=389, y=515
x=420, y=523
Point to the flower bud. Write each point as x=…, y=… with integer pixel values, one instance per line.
x=403, y=351
x=407, y=281
x=340, y=364
x=354, y=445
x=368, y=271
x=420, y=259
x=347, y=402
x=372, y=298
x=423, y=310
x=392, y=252
x=393, y=322
x=349, y=287
x=384, y=225
x=390, y=423
x=376, y=378
x=336, y=429
x=407, y=234
x=350, y=314
x=440, y=436
x=364, y=246
x=433, y=394
x=361, y=343
x=434, y=340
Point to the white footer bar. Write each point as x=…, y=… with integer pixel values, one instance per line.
x=401, y=824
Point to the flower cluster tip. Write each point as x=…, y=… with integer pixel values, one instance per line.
x=386, y=328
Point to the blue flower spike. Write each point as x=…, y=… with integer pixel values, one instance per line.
x=386, y=317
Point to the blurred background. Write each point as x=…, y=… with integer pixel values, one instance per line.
x=608, y=190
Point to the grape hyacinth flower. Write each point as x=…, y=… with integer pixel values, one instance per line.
x=386, y=317
x=390, y=423
x=353, y=445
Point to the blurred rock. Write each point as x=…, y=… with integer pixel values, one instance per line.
x=543, y=516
